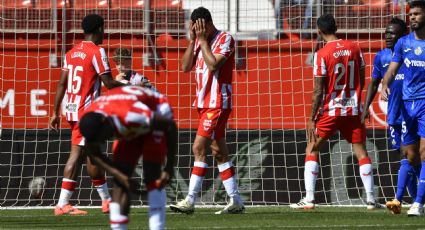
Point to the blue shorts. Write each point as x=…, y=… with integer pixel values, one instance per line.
x=395, y=136
x=413, y=125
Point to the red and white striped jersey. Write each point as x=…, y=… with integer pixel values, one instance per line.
x=131, y=109
x=214, y=89
x=84, y=63
x=340, y=62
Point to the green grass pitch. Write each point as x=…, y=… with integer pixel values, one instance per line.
x=274, y=217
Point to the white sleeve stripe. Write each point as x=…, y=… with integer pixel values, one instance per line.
x=322, y=64
x=104, y=57
x=94, y=62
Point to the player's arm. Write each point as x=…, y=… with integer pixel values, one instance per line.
x=213, y=61
x=60, y=92
x=388, y=79
x=372, y=87
x=319, y=82
x=109, y=82
x=169, y=127
x=188, y=56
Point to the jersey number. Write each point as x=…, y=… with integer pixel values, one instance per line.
x=340, y=70
x=74, y=80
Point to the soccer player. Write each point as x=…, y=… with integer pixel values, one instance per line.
x=142, y=122
x=339, y=77
x=212, y=52
x=407, y=172
x=409, y=55
x=84, y=68
x=123, y=61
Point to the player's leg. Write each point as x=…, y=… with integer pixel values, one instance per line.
x=156, y=195
x=325, y=127
x=98, y=180
x=125, y=155
x=199, y=149
x=70, y=174
x=227, y=173
x=199, y=169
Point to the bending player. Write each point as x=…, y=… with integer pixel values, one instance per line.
x=123, y=61
x=409, y=55
x=407, y=172
x=212, y=52
x=142, y=122
x=339, y=77
x=84, y=68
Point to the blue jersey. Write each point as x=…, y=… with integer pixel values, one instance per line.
x=380, y=67
x=411, y=53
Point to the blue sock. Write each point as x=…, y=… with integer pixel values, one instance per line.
x=403, y=178
x=421, y=186
x=412, y=184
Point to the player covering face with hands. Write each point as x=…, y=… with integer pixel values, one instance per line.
x=141, y=121
x=212, y=53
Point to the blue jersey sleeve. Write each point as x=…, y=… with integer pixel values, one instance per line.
x=398, y=51
x=377, y=71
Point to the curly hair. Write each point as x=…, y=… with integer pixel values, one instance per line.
x=121, y=54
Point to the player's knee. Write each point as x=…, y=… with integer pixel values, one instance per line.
x=198, y=150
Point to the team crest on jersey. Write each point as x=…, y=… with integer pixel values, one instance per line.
x=418, y=51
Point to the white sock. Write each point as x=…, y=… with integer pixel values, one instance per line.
x=68, y=187
x=311, y=171
x=195, y=184
x=117, y=221
x=157, y=200
x=366, y=173
x=103, y=192
x=227, y=173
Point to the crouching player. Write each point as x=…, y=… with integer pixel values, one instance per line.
x=142, y=123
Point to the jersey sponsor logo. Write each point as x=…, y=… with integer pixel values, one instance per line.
x=399, y=76
x=414, y=63
x=418, y=51
x=71, y=107
x=344, y=102
x=341, y=53
x=81, y=55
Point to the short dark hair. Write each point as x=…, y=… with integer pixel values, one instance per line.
x=326, y=23
x=91, y=23
x=201, y=12
x=121, y=54
x=417, y=3
x=399, y=22
x=92, y=126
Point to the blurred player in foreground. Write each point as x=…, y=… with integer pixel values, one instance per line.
x=123, y=61
x=407, y=174
x=142, y=123
x=84, y=68
x=212, y=52
x=339, y=77
x=409, y=55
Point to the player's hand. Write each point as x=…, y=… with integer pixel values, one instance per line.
x=365, y=115
x=55, y=122
x=120, y=77
x=311, y=133
x=385, y=92
x=192, y=34
x=200, y=30
x=164, y=179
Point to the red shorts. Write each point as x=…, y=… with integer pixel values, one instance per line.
x=76, y=137
x=153, y=148
x=350, y=128
x=212, y=122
